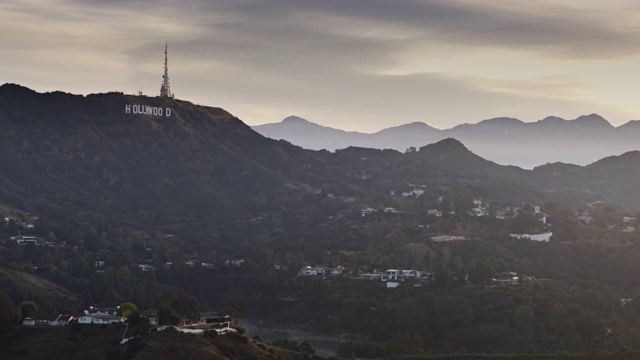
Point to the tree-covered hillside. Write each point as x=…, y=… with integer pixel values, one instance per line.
x=105, y=206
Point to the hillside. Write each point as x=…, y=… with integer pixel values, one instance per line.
x=46, y=293
x=85, y=157
x=126, y=203
x=72, y=156
x=100, y=342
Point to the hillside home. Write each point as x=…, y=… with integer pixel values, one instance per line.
x=318, y=270
x=367, y=211
x=308, y=271
x=443, y=238
x=507, y=213
x=534, y=237
x=96, y=310
x=415, y=192
x=146, y=267
x=400, y=275
x=207, y=320
x=337, y=270
x=99, y=318
x=24, y=240
x=47, y=320
x=434, y=212
x=506, y=278
x=237, y=262
x=479, y=209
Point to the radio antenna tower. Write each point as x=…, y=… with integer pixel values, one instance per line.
x=165, y=89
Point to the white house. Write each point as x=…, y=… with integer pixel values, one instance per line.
x=400, y=275
x=308, y=271
x=99, y=318
x=146, y=267
x=96, y=310
x=367, y=211
x=24, y=240
x=534, y=237
x=507, y=278
x=434, y=212
x=479, y=209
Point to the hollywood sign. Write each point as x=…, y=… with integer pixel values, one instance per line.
x=147, y=110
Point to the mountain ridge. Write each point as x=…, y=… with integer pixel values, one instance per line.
x=505, y=140
x=77, y=156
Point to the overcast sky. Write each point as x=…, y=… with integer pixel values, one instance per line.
x=351, y=64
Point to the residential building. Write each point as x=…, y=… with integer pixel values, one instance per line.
x=99, y=318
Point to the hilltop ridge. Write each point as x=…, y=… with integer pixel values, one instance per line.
x=73, y=155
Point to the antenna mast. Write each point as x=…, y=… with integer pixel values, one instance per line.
x=165, y=90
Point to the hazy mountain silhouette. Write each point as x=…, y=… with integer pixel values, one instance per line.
x=506, y=141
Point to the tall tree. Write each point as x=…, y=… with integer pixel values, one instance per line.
x=9, y=315
x=28, y=308
x=126, y=309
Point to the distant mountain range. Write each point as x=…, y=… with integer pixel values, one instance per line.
x=507, y=141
